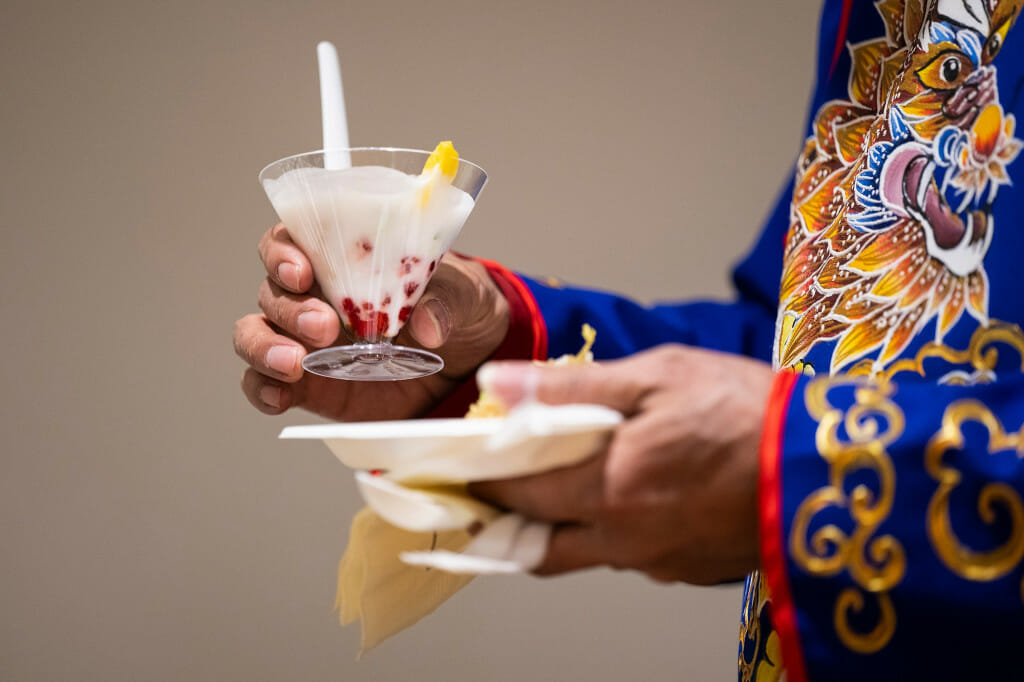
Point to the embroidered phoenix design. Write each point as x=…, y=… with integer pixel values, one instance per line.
x=891, y=215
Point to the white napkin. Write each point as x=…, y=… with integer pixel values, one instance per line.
x=504, y=544
x=509, y=544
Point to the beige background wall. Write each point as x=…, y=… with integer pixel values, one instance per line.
x=151, y=527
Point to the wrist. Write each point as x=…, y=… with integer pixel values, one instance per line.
x=503, y=328
x=759, y=386
x=493, y=318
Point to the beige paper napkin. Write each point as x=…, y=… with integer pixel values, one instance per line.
x=386, y=595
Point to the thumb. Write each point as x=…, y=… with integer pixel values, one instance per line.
x=611, y=384
x=449, y=303
x=462, y=316
x=430, y=322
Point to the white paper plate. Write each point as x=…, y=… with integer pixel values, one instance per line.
x=531, y=439
x=422, y=509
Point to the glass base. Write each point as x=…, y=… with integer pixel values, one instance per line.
x=372, y=362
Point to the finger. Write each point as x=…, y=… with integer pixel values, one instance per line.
x=571, y=493
x=305, y=317
x=266, y=351
x=266, y=395
x=613, y=384
x=285, y=262
x=572, y=548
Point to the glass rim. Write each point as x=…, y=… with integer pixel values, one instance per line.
x=361, y=149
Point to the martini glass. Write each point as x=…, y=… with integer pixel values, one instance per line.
x=374, y=232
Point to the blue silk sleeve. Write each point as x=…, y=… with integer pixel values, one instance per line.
x=745, y=325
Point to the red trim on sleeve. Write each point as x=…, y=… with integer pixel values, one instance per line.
x=773, y=555
x=844, y=26
x=527, y=337
x=527, y=332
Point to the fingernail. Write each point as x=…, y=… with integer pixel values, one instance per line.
x=510, y=382
x=288, y=274
x=271, y=395
x=485, y=376
x=430, y=323
x=283, y=358
x=440, y=318
x=311, y=324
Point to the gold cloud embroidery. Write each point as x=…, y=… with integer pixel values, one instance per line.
x=974, y=364
x=974, y=565
x=853, y=440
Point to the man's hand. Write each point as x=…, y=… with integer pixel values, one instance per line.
x=675, y=493
x=462, y=316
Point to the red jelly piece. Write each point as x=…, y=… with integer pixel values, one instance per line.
x=407, y=264
x=410, y=288
x=364, y=321
x=403, y=314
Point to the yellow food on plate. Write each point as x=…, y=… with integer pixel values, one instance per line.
x=584, y=355
x=490, y=406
